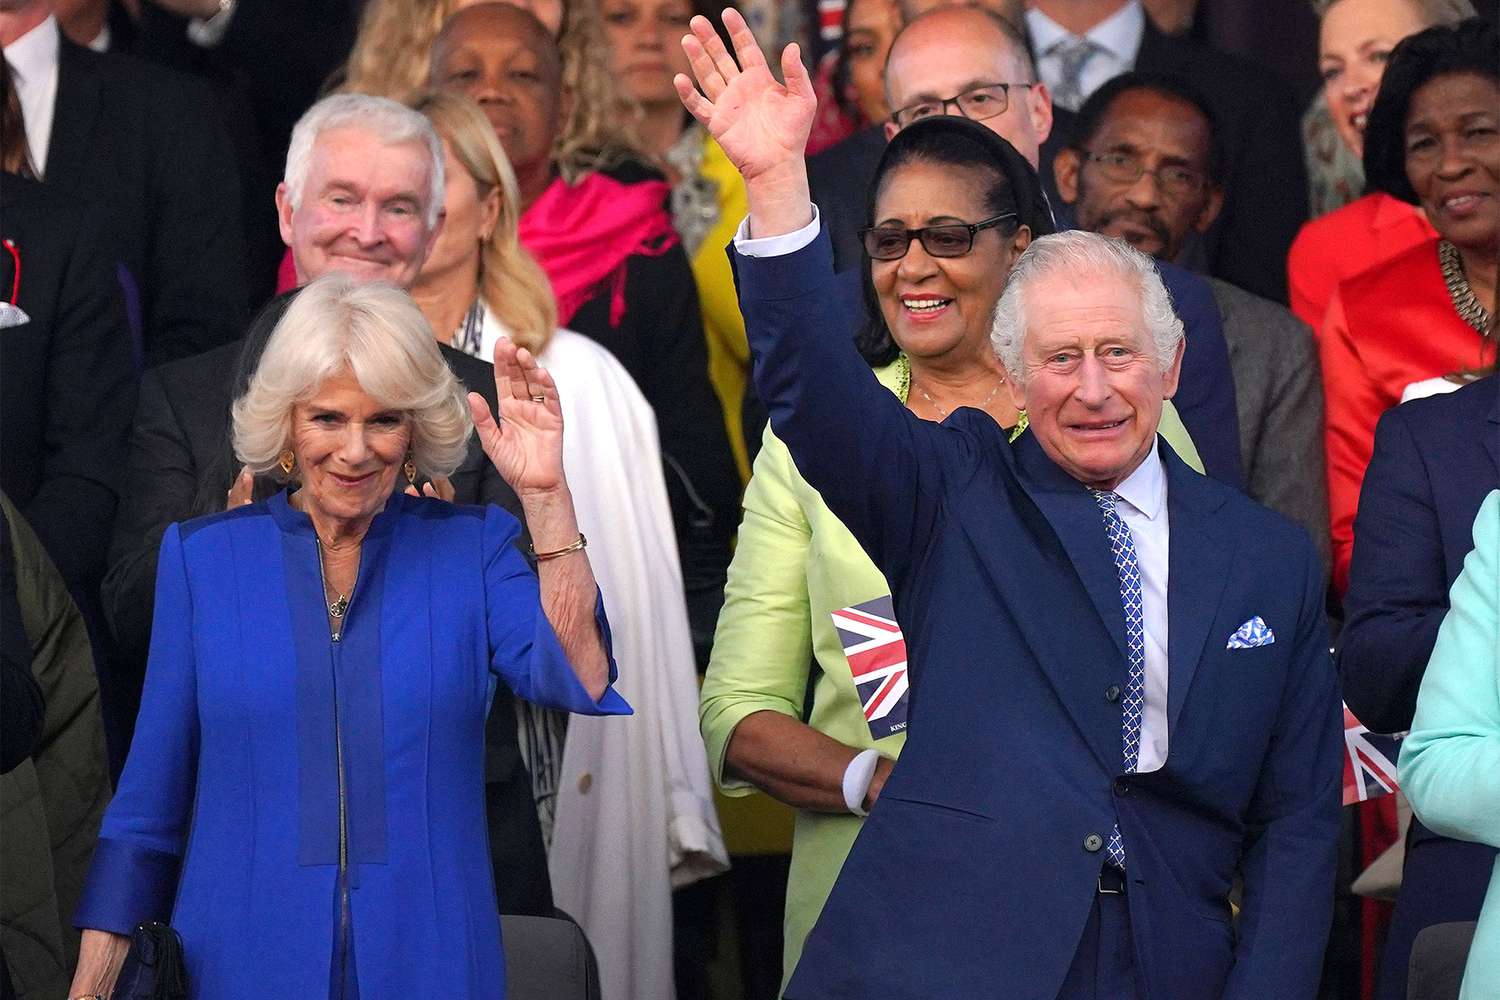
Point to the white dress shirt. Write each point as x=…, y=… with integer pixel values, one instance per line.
x=1118, y=38
x=33, y=67
x=1142, y=506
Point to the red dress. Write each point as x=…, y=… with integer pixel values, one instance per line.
x=1337, y=246
x=1386, y=328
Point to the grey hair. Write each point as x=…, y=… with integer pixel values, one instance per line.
x=1444, y=12
x=1082, y=254
x=390, y=121
x=375, y=332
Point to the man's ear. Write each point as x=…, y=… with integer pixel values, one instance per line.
x=1065, y=167
x=1016, y=390
x=1211, y=209
x=284, y=213
x=1170, y=377
x=1039, y=107
x=891, y=128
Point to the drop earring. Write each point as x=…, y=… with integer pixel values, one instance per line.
x=288, y=462
x=410, y=468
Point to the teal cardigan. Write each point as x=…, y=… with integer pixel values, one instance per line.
x=1450, y=764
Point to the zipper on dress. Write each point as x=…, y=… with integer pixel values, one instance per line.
x=341, y=943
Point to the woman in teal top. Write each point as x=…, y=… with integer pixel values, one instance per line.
x=952, y=206
x=1450, y=764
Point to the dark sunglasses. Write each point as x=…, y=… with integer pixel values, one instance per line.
x=952, y=239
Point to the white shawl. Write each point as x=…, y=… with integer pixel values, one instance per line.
x=634, y=814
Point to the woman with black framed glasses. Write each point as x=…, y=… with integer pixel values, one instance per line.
x=951, y=207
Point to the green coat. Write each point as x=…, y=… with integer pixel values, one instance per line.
x=51, y=805
x=1450, y=763
x=794, y=565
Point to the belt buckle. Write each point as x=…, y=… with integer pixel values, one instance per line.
x=1111, y=882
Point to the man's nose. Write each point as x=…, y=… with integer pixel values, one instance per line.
x=1145, y=192
x=1093, y=382
x=368, y=230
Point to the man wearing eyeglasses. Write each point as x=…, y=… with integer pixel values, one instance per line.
x=1145, y=167
x=970, y=61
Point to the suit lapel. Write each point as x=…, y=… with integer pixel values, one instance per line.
x=1492, y=432
x=1075, y=518
x=78, y=99
x=1198, y=561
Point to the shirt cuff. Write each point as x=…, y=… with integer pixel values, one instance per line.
x=775, y=246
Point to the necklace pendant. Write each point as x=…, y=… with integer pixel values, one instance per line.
x=337, y=608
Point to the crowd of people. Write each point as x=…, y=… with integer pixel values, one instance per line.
x=899, y=498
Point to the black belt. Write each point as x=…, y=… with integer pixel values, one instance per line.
x=1111, y=880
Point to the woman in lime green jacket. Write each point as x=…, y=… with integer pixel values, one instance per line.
x=1450, y=763
x=804, y=697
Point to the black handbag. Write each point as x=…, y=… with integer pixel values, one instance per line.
x=154, y=968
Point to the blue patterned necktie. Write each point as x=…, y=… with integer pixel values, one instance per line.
x=1073, y=54
x=1122, y=547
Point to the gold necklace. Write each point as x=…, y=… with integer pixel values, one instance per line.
x=944, y=413
x=1470, y=309
x=339, y=607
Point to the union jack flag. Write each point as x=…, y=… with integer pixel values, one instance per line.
x=876, y=651
x=1369, y=761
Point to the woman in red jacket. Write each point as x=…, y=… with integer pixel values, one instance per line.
x=1434, y=141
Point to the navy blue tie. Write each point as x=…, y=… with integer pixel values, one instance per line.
x=1122, y=547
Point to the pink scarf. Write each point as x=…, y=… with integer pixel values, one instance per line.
x=582, y=234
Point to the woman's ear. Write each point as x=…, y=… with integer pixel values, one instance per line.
x=1020, y=241
x=489, y=215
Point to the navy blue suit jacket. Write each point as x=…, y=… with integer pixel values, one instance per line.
x=979, y=862
x=1205, y=391
x=1435, y=461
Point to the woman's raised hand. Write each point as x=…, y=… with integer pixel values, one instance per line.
x=761, y=125
x=525, y=444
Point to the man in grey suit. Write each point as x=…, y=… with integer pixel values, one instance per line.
x=1143, y=165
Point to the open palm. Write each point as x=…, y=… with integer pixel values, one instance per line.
x=760, y=124
x=525, y=443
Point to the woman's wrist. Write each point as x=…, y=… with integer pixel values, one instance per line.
x=550, y=518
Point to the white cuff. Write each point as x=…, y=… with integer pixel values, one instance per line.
x=208, y=32
x=857, y=777
x=775, y=246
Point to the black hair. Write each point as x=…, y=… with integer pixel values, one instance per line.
x=1094, y=110
x=951, y=141
x=1471, y=46
x=841, y=69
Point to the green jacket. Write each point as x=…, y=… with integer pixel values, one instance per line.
x=51, y=805
x=794, y=565
x=1450, y=763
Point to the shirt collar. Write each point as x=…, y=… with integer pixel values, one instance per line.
x=1120, y=33
x=101, y=41
x=1145, y=489
x=34, y=54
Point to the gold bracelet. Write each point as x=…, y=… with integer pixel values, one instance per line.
x=577, y=546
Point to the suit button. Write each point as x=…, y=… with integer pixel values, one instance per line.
x=1092, y=843
x=1121, y=787
x=1112, y=693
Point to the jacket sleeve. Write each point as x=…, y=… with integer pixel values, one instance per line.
x=1352, y=403
x=1205, y=392
x=524, y=650
x=763, y=646
x=881, y=470
x=1291, y=828
x=1398, y=585
x=160, y=484
x=1450, y=764
x=90, y=379
x=134, y=872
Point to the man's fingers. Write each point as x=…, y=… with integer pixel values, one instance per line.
x=702, y=65
x=795, y=73
x=713, y=46
x=746, y=48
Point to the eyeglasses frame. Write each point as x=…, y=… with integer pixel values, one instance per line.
x=944, y=102
x=973, y=228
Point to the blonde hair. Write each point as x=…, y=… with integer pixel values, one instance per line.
x=512, y=284
x=373, y=331
x=1444, y=12
x=392, y=57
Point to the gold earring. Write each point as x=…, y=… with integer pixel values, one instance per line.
x=410, y=468
x=288, y=462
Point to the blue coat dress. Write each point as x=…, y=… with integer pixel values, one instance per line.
x=265, y=751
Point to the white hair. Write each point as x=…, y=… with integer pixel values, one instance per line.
x=375, y=332
x=390, y=121
x=1082, y=254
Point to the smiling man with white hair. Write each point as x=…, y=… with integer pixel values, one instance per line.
x=362, y=195
x=1120, y=688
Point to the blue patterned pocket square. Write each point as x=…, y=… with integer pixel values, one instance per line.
x=1253, y=633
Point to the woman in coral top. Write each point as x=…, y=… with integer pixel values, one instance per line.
x=1433, y=141
x=1355, y=39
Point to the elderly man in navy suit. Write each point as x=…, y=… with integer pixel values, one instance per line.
x=1121, y=694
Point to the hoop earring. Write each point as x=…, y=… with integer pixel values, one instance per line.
x=288, y=462
x=410, y=468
